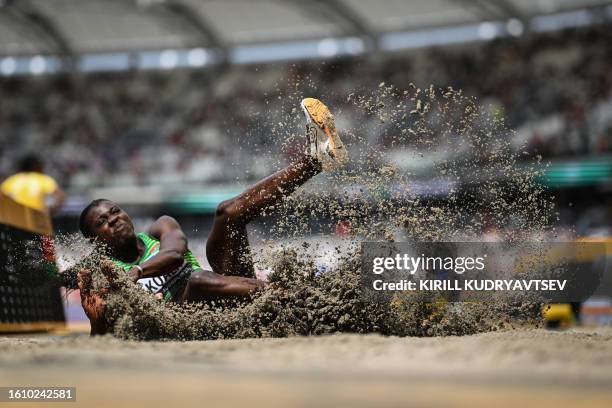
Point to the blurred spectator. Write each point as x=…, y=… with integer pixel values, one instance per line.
x=173, y=127
x=32, y=188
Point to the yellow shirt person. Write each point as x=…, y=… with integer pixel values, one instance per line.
x=31, y=187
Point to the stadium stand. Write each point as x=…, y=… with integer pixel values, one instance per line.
x=94, y=126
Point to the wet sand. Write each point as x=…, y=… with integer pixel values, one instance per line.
x=511, y=368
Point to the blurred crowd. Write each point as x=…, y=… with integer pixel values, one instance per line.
x=217, y=124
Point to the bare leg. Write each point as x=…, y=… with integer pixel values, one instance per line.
x=228, y=248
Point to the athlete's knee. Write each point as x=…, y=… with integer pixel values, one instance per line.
x=230, y=210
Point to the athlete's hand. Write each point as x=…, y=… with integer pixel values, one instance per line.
x=109, y=271
x=92, y=302
x=135, y=273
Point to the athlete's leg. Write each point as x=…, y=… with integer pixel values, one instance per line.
x=227, y=248
x=207, y=285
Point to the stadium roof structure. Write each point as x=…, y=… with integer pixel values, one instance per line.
x=40, y=36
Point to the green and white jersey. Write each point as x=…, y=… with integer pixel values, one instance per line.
x=168, y=284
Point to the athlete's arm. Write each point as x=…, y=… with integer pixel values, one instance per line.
x=92, y=302
x=172, y=248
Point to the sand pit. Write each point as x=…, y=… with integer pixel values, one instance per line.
x=510, y=368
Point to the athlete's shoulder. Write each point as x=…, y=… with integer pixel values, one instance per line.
x=162, y=225
x=166, y=219
x=165, y=222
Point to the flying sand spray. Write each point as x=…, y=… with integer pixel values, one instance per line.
x=379, y=200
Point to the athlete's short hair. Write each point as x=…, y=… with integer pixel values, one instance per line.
x=85, y=230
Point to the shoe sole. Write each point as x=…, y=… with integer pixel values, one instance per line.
x=321, y=116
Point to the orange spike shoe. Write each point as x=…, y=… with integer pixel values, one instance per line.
x=323, y=140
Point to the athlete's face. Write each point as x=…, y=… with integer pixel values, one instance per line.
x=110, y=224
